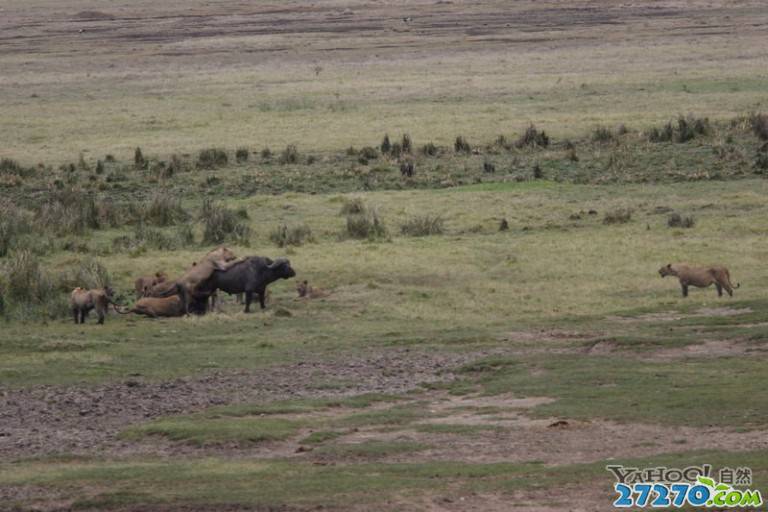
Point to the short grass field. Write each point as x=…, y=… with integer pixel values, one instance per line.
x=493, y=330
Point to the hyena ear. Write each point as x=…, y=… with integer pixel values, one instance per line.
x=669, y=265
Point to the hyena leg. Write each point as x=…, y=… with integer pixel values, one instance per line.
x=719, y=289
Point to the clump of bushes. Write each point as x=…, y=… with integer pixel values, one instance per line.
x=488, y=167
x=283, y=236
x=538, y=172
x=618, y=216
x=221, y=224
x=429, y=149
x=460, y=145
x=290, y=155
x=369, y=153
x=686, y=129
x=423, y=225
x=212, y=158
x=241, y=155
x=676, y=220
x=602, y=134
x=266, y=154
x=533, y=138
x=407, y=144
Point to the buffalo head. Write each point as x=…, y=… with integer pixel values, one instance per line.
x=282, y=268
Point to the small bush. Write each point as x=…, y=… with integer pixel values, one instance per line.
x=14, y=223
x=407, y=144
x=283, y=236
x=759, y=124
x=351, y=151
x=164, y=209
x=266, y=154
x=676, y=220
x=367, y=225
x=139, y=162
x=27, y=291
x=488, y=167
x=502, y=142
x=460, y=145
x=353, y=206
x=690, y=127
x=423, y=225
x=761, y=163
x=429, y=149
x=504, y=225
x=386, y=145
x=369, y=153
x=222, y=224
x=396, y=150
x=99, y=167
x=618, y=216
x=538, y=173
x=407, y=168
x=572, y=156
x=241, y=155
x=602, y=135
x=533, y=138
x=622, y=129
x=290, y=155
x=212, y=158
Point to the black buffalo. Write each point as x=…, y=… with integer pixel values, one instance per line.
x=249, y=276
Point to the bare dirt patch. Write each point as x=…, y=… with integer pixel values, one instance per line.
x=671, y=316
x=86, y=420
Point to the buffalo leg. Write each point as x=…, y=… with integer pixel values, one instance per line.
x=76, y=314
x=719, y=289
x=262, y=294
x=248, y=300
x=685, y=290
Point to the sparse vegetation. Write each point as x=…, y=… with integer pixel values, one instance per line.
x=283, y=236
x=366, y=225
x=532, y=137
x=461, y=145
x=241, y=155
x=212, y=158
x=675, y=220
x=423, y=225
x=618, y=216
x=290, y=155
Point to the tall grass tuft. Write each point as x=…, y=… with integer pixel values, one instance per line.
x=283, y=236
x=212, y=158
x=164, y=209
x=241, y=155
x=27, y=291
x=407, y=144
x=290, y=155
x=139, y=162
x=618, y=216
x=363, y=222
x=221, y=224
x=460, y=145
x=532, y=137
x=386, y=145
x=353, y=206
x=423, y=225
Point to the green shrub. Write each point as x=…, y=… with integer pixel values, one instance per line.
x=533, y=138
x=164, y=209
x=139, y=162
x=290, y=155
x=266, y=154
x=283, y=235
x=212, y=158
x=353, y=206
x=759, y=124
x=222, y=224
x=407, y=145
x=27, y=291
x=241, y=155
x=460, y=145
x=386, y=145
x=367, y=225
x=423, y=225
x=602, y=135
x=429, y=149
x=369, y=153
x=676, y=220
x=618, y=216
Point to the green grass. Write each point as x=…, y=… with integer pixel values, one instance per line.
x=201, y=432
x=211, y=481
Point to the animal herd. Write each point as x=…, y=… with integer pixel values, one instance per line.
x=196, y=289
